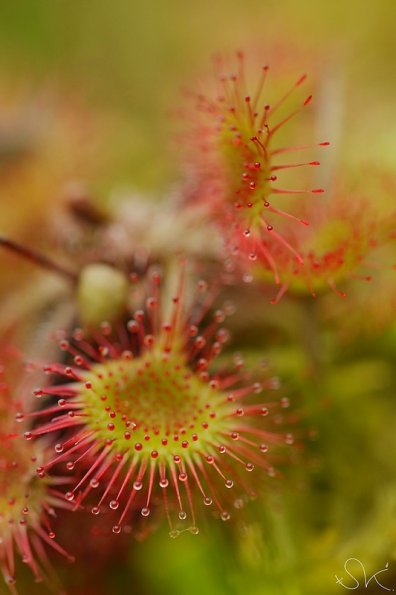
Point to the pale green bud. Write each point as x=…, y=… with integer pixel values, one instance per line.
x=102, y=294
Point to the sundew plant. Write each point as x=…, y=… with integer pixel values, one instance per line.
x=198, y=300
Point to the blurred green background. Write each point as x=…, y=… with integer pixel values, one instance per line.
x=134, y=57
x=126, y=62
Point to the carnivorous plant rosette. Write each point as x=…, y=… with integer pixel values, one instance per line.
x=27, y=505
x=144, y=419
x=235, y=160
x=346, y=234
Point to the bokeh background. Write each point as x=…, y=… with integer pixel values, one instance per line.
x=89, y=93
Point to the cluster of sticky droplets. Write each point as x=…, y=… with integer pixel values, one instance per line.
x=27, y=505
x=142, y=424
x=340, y=247
x=237, y=167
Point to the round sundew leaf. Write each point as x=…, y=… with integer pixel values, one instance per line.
x=142, y=424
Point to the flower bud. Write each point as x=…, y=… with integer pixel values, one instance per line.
x=102, y=294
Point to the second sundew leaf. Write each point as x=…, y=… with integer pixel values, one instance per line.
x=237, y=163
